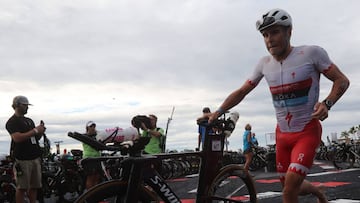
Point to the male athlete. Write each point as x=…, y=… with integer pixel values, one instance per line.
x=293, y=75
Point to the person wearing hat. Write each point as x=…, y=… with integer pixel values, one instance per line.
x=92, y=172
x=25, y=150
x=201, y=131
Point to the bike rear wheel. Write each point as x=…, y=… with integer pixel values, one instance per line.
x=256, y=163
x=343, y=160
x=114, y=192
x=232, y=184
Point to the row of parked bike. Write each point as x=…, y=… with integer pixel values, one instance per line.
x=343, y=155
x=63, y=175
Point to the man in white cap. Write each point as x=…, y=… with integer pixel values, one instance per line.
x=25, y=150
x=92, y=171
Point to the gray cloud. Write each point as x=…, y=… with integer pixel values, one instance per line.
x=110, y=60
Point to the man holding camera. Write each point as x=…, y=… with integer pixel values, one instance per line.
x=155, y=133
x=25, y=150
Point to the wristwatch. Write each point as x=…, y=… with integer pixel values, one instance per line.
x=328, y=103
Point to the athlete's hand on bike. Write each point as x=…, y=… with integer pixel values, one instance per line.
x=213, y=116
x=320, y=111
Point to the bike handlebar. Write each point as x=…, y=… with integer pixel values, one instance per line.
x=220, y=124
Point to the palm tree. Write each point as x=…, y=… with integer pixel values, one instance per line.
x=344, y=134
x=353, y=131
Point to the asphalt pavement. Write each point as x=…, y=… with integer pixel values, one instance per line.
x=342, y=186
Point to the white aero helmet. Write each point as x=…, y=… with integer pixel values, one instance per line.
x=274, y=17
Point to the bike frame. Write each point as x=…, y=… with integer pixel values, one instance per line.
x=141, y=169
x=139, y=172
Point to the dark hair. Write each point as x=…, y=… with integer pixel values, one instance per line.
x=137, y=120
x=248, y=127
x=153, y=116
x=206, y=110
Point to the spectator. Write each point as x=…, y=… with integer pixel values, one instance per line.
x=201, y=130
x=25, y=150
x=153, y=147
x=247, y=147
x=92, y=172
x=254, y=140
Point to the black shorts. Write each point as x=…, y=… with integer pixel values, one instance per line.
x=91, y=168
x=249, y=150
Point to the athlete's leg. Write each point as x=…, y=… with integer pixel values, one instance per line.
x=296, y=185
x=313, y=140
x=283, y=151
x=318, y=191
x=292, y=185
x=303, y=154
x=303, y=146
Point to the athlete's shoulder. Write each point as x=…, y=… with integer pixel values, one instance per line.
x=265, y=59
x=316, y=55
x=310, y=49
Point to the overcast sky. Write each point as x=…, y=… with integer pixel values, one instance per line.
x=109, y=60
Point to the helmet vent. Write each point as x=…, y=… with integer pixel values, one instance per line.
x=274, y=14
x=284, y=18
x=264, y=16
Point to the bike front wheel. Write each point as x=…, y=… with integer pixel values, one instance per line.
x=115, y=192
x=232, y=184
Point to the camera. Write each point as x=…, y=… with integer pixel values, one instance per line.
x=137, y=120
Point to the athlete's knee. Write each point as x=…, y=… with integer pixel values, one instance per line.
x=292, y=182
x=290, y=191
x=299, y=169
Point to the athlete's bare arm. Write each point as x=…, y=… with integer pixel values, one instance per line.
x=233, y=99
x=340, y=85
